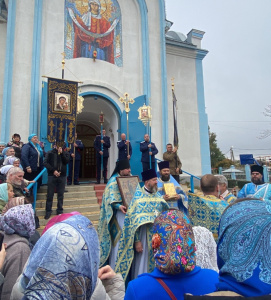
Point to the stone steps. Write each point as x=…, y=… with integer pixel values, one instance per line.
x=69, y=195
x=69, y=202
x=80, y=198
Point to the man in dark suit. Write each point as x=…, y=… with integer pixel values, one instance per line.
x=149, y=151
x=123, y=145
x=76, y=155
x=102, y=154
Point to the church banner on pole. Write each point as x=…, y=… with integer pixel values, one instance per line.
x=62, y=109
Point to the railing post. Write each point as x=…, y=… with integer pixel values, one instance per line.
x=192, y=183
x=35, y=189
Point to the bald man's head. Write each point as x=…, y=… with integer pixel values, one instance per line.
x=209, y=185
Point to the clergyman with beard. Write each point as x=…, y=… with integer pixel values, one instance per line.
x=256, y=188
x=179, y=200
x=135, y=252
x=112, y=215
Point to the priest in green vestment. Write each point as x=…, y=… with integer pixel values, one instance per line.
x=135, y=253
x=112, y=215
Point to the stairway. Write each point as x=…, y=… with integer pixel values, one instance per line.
x=80, y=198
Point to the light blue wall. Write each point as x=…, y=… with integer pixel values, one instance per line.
x=35, y=72
x=203, y=119
x=163, y=75
x=9, y=59
x=145, y=49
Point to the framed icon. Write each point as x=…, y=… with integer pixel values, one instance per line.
x=127, y=186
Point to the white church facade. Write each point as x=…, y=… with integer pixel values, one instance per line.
x=111, y=47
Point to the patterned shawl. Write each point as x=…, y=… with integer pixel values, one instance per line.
x=13, y=202
x=19, y=219
x=64, y=263
x=244, y=248
x=173, y=243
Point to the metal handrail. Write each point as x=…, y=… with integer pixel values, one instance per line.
x=35, y=187
x=192, y=187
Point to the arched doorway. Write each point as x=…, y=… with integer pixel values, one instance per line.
x=88, y=127
x=87, y=135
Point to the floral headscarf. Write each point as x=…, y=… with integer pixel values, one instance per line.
x=13, y=202
x=243, y=248
x=19, y=219
x=173, y=243
x=64, y=262
x=4, y=192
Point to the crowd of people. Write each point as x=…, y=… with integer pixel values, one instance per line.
x=153, y=241
x=23, y=162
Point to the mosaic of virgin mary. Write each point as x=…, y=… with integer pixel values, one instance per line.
x=93, y=29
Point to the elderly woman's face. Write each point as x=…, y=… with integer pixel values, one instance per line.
x=34, y=139
x=10, y=192
x=16, y=163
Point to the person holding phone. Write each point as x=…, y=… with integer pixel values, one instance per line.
x=56, y=162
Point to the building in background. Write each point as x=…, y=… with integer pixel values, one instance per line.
x=113, y=48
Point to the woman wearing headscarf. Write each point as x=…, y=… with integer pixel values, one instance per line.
x=9, y=162
x=6, y=193
x=16, y=143
x=244, y=249
x=206, y=248
x=13, y=202
x=32, y=158
x=17, y=225
x=175, y=270
x=64, y=265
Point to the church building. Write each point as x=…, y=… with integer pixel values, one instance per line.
x=110, y=47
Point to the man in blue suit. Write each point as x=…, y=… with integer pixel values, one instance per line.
x=99, y=141
x=123, y=145
x=149, y=151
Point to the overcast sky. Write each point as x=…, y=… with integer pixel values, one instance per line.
x=237, y=69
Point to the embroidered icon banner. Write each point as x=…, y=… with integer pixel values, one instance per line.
x=62, y=108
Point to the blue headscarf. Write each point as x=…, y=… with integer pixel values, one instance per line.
x=4, y=192
x=64, y=262
x=244, y=248
x=35, y=146
x=5, y=150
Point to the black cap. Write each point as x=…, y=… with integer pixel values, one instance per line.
x=121, y=165
x=149, y=174
x=163, y=165
x=256, y=168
